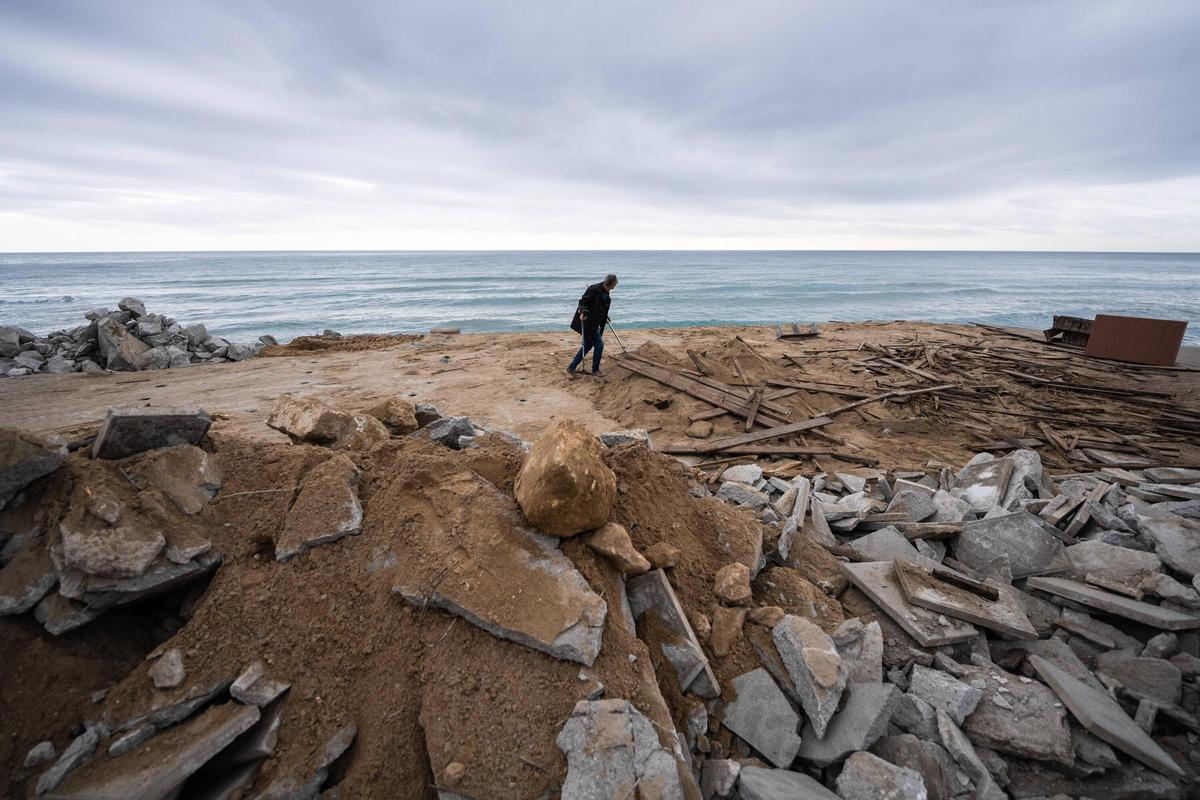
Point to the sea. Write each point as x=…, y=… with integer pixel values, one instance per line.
x=241, y=295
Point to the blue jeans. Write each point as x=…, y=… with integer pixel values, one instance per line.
x=593, y=339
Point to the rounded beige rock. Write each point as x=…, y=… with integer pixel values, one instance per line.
x=564, y=487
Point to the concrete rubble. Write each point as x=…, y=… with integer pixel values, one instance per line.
x=122, y=339
x=933, y=633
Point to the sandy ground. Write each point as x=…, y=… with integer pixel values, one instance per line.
x=517, y=382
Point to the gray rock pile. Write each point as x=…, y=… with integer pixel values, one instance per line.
x=127, y=339
x=1032, y=637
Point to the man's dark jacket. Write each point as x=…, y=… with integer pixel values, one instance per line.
x=594, y=303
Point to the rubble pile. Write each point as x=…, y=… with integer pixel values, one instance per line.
x=126, y=339
x=400, y=602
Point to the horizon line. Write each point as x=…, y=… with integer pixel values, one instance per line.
x=602, y=250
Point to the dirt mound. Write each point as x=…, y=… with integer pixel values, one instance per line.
x=306, y=345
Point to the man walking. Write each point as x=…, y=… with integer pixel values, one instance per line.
x=589, y=320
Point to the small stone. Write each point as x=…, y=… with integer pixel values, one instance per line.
x=426, y=413
x=1163, y=645
x=749, y=474
x=134, y=306
x=719, y=777
x=449, y=430
x=612, y=541
x=700, y=429
x=168, y=671
x=662, y=555
x=631, y=436
x=732, y=584
x=453, y=773
x=727, y=626
x=40, y=753
x=397, y=415
x=869, y=777
x=767, y=616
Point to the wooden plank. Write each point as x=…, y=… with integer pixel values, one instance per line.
x=1087, y=388
x=728, y=401
x=755, y=402
x=685, y=449
x=813, y=386
x=803, y=425
x=703, y=370
x=1052, y=437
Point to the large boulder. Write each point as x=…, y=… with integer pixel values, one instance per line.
x=564, y=487
x=308, y=420
x=119, y=348
x=24, y=458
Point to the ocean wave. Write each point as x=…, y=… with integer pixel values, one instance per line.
x=37, y=301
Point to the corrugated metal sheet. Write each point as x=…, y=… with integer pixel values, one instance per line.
x=1137, y=339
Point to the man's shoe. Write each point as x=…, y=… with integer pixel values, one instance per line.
x=574, y=375
x=597, y=373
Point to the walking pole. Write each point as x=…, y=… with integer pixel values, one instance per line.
x=614, y=333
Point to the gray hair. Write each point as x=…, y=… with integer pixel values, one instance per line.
x=610, y=279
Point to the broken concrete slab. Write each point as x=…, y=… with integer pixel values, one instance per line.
x=185, y=474
x=612, y=541
x=1155, y=677
x=1023, y=537
x=24, y=458
x=1103, y=717
x=326, y=508
x=306, y=419
x=869, y=777
x=948, y=508
x=157, y=769
x=1172, y=475
x=864, y=717
x=124, y=551
x=813, y=663
x=888, y=544
x=255, y=688
x=131, y=740
x=760, y=783
x=26, y=579
x=1119, y=564
x=653, y=592
x=1176, y=541
x=1017, y=716
x=58, y=614
x=943, y=691
x=748, y=474
x=762, y=716
x=1131, y=782
x=129, y=431
x=743, y=495
x=914, y=504
x=1136, y=610
x=983, y=483
x=612, y=750
x=861, y=649
x=913, y=715
x=877, y=580
x=963, y=752
x=1056, y=651
x=1172, y=490
x=929, y=759
x=926, y=590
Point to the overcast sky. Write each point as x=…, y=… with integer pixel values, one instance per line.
x=599, y=124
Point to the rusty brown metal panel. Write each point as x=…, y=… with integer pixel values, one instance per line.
x=1138, y=339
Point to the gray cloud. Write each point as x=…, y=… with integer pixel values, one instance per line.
x=291, y=124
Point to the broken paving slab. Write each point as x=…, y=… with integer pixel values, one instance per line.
x=129, y=431
x=868, y=777
x=983, y=483
x=942, y=690
x=326, y=508
x=24, y=458
x=1023, y=537
x=814, y=665
x=613, y=750
x=156, y=770
x=1120, y=564
x=652, y=592
x=1018, y=716
x=1176, y=541
x=762, y=716
x=58, y=614
x=26, y=579
x=1156, y=678
x=1004, y=615
x=1104, y=718
x=878, y=581
x=761, y=783
x=888, y=544
x=963, y=752
x=255, y=688
x=1136, y=610
x=476, y=559
x=864, y=717
x=186, y=474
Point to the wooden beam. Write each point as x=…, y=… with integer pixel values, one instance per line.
x=755, y=402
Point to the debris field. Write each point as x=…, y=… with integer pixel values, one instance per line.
x=747, y=600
